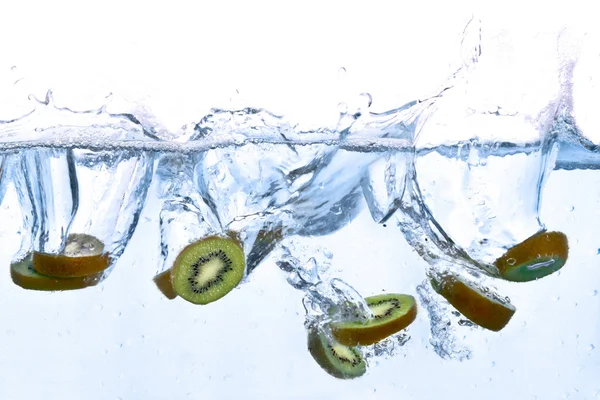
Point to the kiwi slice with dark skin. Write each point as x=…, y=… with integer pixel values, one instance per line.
x=164, y=284
x=479, y=307
x=536, y=257
x=24, y=275
x=208, y=269
x=83, y=255
x=391, y=313
x=337, y=360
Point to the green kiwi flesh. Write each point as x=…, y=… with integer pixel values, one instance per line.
x=337, y=360
x=208, y=269
x=391, y=313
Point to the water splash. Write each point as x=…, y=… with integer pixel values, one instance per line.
x=443, y=340
x=326, y=298
x=49, y=125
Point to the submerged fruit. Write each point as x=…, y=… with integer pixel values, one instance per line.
x=23, y=275
x=538, y=256
x=391, y=314
x=337, y=360
x=477, y=306
x=82, y=256
x=208, y=269
x=164, y=284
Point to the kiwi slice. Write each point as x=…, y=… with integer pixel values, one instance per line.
x=479, y=307
x=337, y=360
x=208, y=269
x=83, y=255
x=536, y=257
x=164, y=284
x=391, y=313
x=23, y=275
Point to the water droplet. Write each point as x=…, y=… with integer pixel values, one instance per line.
x=592, y=347
x=342, y=72
x=10, y=332
x=595, y=293
x=511, y=261
x=343, y=108
x=572, y=208
x=228, y=377
x=367, y=98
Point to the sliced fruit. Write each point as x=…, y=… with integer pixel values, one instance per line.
x=337, y=360
x=391, y=313
x=479, y=307
x=208, y=269
x=82, y=256
x=542, y=254
x=164, y=284
x=23, y=275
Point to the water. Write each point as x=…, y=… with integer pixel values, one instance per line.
x=379, y=203
x=126, y=320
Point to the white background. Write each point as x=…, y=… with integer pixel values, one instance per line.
x=180, y=59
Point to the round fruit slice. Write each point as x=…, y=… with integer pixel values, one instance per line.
x=337, y=360
x=82, y=256
x=23, y=275
x=542, y=254
x=164, y=284
x=479, y=307
x=208, y=269
x=391, y=314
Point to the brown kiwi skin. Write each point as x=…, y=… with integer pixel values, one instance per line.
x=54, y=284
x=542, y=245
x=486, y=314
x=61, y=266
x=164, y=284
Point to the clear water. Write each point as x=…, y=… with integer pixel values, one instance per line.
x=343, y=208
x=378, y=203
